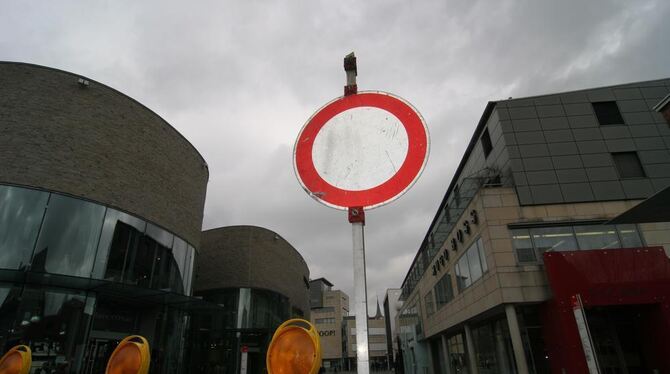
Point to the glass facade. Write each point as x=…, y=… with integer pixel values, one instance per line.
x=94, y=275
x=430, y=305
x=471, y=266
x=444, y=292
x=458, y=357
x=248, y=317
x=57, y=234
x=493, y=348
x=531, y=243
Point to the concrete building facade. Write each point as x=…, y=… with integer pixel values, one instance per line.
x=329, y=308
x=523, y=231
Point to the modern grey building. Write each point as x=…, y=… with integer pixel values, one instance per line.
x=252, y=280
x=521, y=242
x=101, y=206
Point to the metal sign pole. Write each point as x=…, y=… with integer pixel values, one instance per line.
x=585, y=334
x=357, y=219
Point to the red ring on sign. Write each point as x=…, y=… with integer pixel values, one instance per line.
x=417, y=136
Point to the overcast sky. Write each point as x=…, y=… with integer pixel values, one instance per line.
x=239, y=79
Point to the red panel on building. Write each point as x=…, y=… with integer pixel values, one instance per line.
x=633, y=277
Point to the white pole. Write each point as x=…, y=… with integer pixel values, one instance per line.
x=361, y=299
x=357, y=219
x=585, y=334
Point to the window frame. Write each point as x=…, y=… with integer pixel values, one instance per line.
x=464, y=256
x=539, y=260
x=487, y=145
x=602, y=117
x=618, y=168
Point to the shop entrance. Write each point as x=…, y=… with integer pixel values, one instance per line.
x=621, y=339
x=97, y=353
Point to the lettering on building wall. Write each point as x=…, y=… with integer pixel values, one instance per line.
x=327, y=333
x=459, y=237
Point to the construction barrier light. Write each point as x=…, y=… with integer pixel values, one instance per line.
x=16, y=361
x=131, y=356
x=295, y=349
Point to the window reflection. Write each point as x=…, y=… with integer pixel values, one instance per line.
x=53, y=324
x=180, y=254
x=570, y=238
x=69, y=237
x=471, y=266
x=120, y=235
x=21, y=213
x=475, y=265
x=523, y=244
x=554, y=238
x=597, y=236
x=10, y=298
x=53, y=233
x=444, y=293
x=463, y=273
x=188, y=274
x=142, y=254
x=630, y=237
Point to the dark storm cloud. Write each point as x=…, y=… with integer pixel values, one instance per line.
x=239, y=79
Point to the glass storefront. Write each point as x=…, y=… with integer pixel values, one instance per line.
x=493, y=348
x=52, y=322
x=57, y=234
x=248, y=317
x=458, y=357
x=80, y=276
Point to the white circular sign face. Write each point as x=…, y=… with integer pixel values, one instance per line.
x=360, y=148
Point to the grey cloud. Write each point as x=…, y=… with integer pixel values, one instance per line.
x=240, y=78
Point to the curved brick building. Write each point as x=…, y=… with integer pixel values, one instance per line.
x=101, y=206
x=260, y=280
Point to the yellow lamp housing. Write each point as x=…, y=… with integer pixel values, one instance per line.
x=295, y=349
x=131, y=356
x=17, y=360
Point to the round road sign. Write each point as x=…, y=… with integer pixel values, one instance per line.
x=362, y=150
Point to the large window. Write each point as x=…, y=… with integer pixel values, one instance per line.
x=471, y=266
x=552, y=238
x=51, y=322
x=53, y=233
x=608, y=113
x=69, y=237
x=628, y=165
x=430, y=304
x=486, y=142
x=531, y=243
x=21, y=213
x=444, y=293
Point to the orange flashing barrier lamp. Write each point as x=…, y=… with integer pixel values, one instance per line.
x=295, y=349
x=131, y=356
x=17, y=360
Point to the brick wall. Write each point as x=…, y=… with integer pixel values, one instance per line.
x=253, y=257
x=96, y=143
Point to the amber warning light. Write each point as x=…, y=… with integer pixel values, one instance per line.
x=16, y=361
x=131, y=356
x=295, y=349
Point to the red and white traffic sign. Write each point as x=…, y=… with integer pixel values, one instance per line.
x=362, y=150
